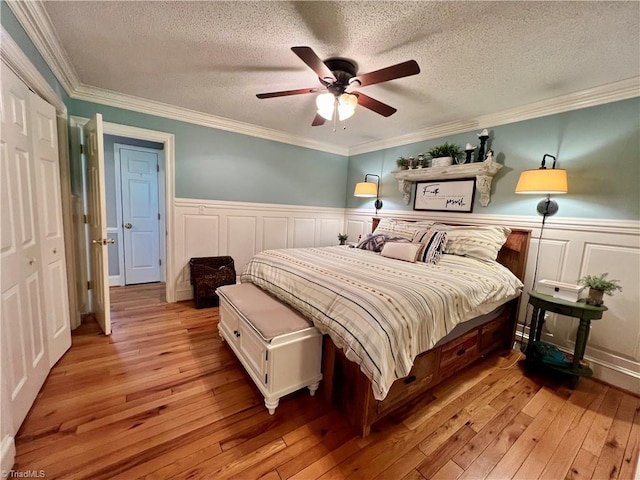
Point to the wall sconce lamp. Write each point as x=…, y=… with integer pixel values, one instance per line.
x=369, y=189
x=544, y=181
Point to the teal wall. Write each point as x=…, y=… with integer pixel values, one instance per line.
x=220, y=165
x=598, y=146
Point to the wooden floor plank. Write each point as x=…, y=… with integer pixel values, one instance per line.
x=497, y=449
x=632, y=452
x=560, y=462
x=610, y=459
x=549, y=441
x=583, y=466
x=164, y=398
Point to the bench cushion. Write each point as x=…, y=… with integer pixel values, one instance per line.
x=267, y=315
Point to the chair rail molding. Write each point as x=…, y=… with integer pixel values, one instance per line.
x=483, y=171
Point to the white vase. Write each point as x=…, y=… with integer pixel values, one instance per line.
x=441, y=161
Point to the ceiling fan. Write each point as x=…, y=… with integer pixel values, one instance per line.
x=337, y=75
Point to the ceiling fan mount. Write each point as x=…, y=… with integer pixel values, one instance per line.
x=337, y=74
x=344, y=71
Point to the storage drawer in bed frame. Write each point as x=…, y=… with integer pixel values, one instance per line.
x=350, y=391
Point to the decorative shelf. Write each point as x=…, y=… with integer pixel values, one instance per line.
x=483, y=171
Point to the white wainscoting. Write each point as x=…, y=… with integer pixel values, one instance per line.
x=569, y=249
x=207, y=228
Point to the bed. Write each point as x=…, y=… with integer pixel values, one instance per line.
x=394, y=329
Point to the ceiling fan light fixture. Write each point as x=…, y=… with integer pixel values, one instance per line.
x=347, y=104
x=326, y=104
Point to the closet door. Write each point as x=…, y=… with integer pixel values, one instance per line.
x=25, y=361
x=54, y=273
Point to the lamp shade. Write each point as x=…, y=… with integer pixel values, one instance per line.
x=366, y=189
x=543, y=181
x=346, y=106
x=326, y=104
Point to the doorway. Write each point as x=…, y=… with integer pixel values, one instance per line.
x=92, y=131
x=134, y=190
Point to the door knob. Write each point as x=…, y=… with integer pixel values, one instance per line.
x=127, y=225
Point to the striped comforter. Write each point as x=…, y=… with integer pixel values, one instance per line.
x=382, y=312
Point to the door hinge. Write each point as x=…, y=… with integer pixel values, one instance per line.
x=81, y=148
x=265, y=378
x=160, y=262
x=157, y=168
x=266, y=355
x=89, y=285
x=85, y=218
x=158, y=216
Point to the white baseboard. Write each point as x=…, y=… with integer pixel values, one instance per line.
x=8, y=452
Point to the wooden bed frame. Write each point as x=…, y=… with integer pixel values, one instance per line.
x=350, y=392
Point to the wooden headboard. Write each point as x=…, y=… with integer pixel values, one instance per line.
x=513, y=253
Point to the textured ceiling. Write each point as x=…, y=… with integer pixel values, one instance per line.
x=476, y=58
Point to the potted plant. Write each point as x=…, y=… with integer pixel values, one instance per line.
x=444, y=155
x=342, y=237
x=598, y=286
x=402, y=163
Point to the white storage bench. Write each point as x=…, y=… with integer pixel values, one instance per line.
x=280, y=349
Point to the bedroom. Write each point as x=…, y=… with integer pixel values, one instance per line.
x=245, y=193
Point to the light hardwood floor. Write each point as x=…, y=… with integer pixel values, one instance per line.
x=164, y=398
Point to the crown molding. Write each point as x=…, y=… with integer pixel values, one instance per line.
x=159, y=109
x=37, y=24
x=13, y=56
x=592, y=97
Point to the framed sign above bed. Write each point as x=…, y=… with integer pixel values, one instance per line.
x=445, y=195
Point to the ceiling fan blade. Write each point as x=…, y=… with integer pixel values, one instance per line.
x=318, y=120
x=285, y=93
x=374, y=105
x=404, y=69
x=313, y=61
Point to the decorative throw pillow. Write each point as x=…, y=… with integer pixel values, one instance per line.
x=481, y=242
x=375, y=241
x=433, y=245
x=401, y=251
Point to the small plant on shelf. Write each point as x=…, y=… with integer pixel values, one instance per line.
x=598, y=286
x=446, y=150
x=402, y=163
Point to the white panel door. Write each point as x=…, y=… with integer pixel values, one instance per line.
x=54, y=274
x=140, y=220
x=98, y=259
x=25, y=360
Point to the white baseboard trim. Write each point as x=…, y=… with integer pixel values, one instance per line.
x=8, y=453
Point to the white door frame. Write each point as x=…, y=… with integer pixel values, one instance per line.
x=117, y=162
x=168, y=139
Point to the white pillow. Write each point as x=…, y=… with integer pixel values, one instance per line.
x=407, y=252
x=482, y=242
x=400, y=228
